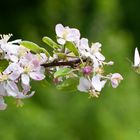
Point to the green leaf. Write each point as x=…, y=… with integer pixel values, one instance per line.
x=34, y=47
x=62, y=72
x=62, y=55
x=3, y=65
x=72, y=48
x=69, y=84
x=50, y=42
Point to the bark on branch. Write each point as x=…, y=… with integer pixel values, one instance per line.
x=71, y=63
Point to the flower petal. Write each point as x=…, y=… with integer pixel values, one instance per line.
x=37, y=76
x=97, y=84
x=2, y=104
x=136, y=58
x=84, y=85
x=25, y=79
x=59, y=29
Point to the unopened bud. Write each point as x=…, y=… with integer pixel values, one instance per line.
x=87, y=70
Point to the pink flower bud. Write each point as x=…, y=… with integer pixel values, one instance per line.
x=115, y=79
x=87, y=70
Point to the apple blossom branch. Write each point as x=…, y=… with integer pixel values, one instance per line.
x=24, y=61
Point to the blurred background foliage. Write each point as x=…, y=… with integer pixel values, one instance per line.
x=56, y=115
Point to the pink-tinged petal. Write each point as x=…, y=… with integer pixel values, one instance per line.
x=25, y=79
x=36, y=63
x=11, y=88
x=59, y=29
x=84, y=85
x=36, y=76
x=26, y=88
x=3, y=106
x=14, y=75
x=44, y=57
x=114, y=83
x=115, y=79
x=3, y=90
x=116, y=76
x=23, y=96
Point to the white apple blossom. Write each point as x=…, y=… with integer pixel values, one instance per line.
x=66, y=34
x=115, y=79
x=11, y=50
x=32, y=68
x=93, y=86
x=92, y=52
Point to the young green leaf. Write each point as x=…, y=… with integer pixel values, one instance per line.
x=34, y=47
x=3, y=65
x=50, y=42
x=61, y=55
x=72, y=48
x=69, y=84
x=62, y=72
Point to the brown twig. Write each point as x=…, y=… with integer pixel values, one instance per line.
x=71, y=63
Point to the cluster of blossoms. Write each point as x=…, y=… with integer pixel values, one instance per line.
x=22, y=65
x=72, y=58
x=92, y=78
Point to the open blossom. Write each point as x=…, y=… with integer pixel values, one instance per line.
x=66, y=34
x=32, y=68
x=11, y=49
x=94, y=86
x=92, y=52
x=115, y=79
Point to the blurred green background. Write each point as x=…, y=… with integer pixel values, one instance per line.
x=56, y=115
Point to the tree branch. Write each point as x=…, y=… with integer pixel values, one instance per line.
x=70, y=63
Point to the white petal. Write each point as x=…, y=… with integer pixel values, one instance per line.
x=37, y=76
x=2, y=90
x=84, y=85
x=23, y=96
x=25, y=79
x=97, y=84
x=2, y=104
x=136, y=58
x=73, y=35
x=14, y=75
x=61, y=41
x=11, y=88
x=15, y=41
x=59, y=29
x=84, y=44
x=13, y=58
x=99, y=56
